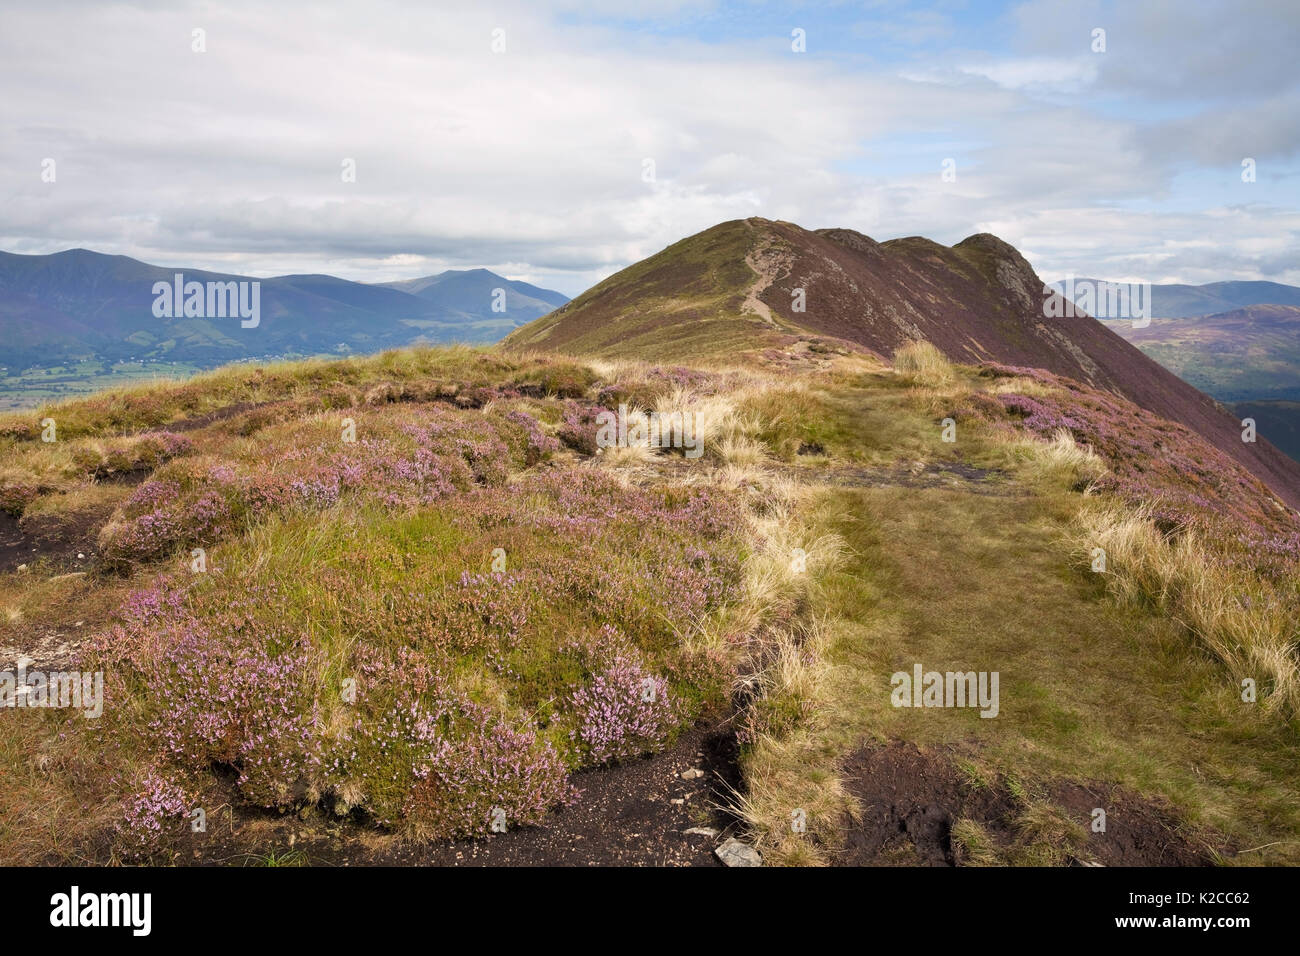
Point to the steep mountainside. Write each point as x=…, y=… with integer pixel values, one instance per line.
x=754, y=283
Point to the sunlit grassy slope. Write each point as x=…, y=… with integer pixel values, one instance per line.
x=425, y=594
x=689, y=299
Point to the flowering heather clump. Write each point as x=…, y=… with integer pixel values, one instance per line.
x=145, y=538
x=413, y=457
x=681, y=539
x=1276, y=556
x=481, y=611
x=208, y=517
x=149, y=621
x=486, y=767
x=156, y=447
x=156, y=810
x=16, y=496
x=580, y=426
x=144, y=606
x=459, y=672
x=17, y=429
x=537, y=443
x=420, y=751
x=623, y=712
x=374, y=762
x=586, y=499
x=1042, y=419
x=442, y=435
x=153, y=494
x=497, y=603
x=228, y=700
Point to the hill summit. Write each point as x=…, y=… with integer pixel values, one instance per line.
x=755, y=283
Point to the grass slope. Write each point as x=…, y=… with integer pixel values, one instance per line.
x=419, y=634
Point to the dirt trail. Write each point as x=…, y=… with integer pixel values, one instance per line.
x=767, y=263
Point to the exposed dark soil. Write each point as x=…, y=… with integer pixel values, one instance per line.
x=130, y=477
x=624, y=816
x=67, y=542
x=910, y=801
x=221, y=414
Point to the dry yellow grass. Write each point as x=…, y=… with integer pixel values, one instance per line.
x=1061, y=460
x=1244, y=622
x=923, y=364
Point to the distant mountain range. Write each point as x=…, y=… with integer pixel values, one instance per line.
x=1176, y=301
x=1247, y=357
x=80, y=305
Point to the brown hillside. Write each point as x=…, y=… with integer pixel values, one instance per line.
x=733, y=287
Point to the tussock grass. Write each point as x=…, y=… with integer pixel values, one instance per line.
x=1062, y=461
x=1249, y=625
x=923, y=364
x=973, y=844
x=781, y=723
x=1019, y=385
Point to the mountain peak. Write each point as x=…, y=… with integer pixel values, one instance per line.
x=757, y=284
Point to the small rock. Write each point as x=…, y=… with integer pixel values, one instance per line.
x=80, y=556
x=735, y=853
x=692, y=774
x=677, y=801
x=709, y=832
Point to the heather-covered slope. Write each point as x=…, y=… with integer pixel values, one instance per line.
x=430, y=603
x=736, y=286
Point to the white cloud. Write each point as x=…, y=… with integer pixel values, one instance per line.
x=531, y=160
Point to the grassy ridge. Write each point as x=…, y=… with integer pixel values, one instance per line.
x=437, y=621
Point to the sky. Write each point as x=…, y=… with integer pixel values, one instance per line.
x=557, y=142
